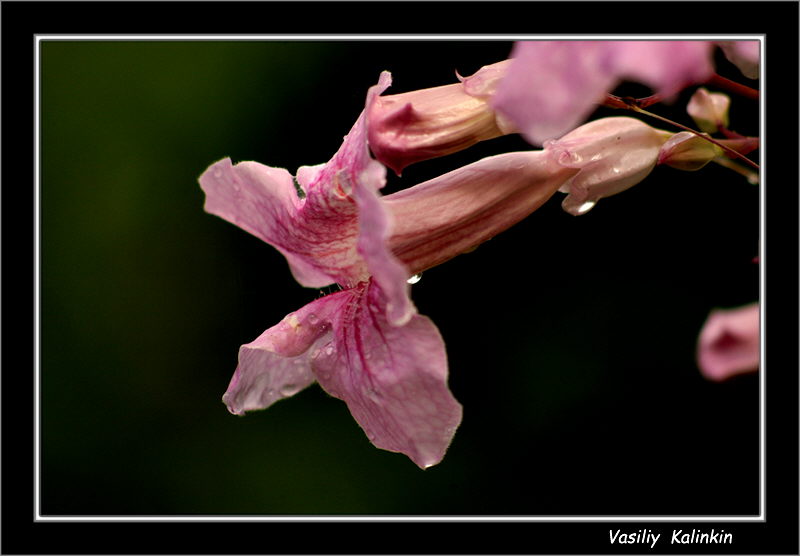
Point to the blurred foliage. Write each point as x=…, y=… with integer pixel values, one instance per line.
x=571, y=340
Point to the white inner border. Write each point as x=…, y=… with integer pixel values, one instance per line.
x=761, y=517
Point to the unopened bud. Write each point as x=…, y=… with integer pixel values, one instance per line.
x=428, y=123
x=709, y=110
x=687, y=151
x=613, y=154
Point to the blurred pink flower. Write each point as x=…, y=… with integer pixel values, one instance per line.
x=553, y=86
x=366, y=344
x=729, y=343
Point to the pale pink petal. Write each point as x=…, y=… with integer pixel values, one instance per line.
x=455, y=212
x=729, y=343
x=317, y=236
x=277, y=364
x=553, y=86
x=745, y=55
x=612, y=155
x=665, y=66
x=393, y=378
x=709, y=110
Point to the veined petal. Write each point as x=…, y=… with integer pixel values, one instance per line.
x=317, y=235
x=393, y=378
x=453, y=213
x=277, y=364
x=729, y=343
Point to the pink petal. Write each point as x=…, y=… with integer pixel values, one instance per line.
x=553, y=86
x=393, y=378
x=277, y=364
x=745, y=55
x=317, y=235
x=454, y=213
x=729, y=343
x=665, y=66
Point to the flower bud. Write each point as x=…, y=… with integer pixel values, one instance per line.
x=687, y=151
x=612, y=154
x=709, y=110
x=428, y=123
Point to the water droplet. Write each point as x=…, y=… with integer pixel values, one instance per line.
x=329, y=349
x=586, y=207
x=315, y=354
x=217, y=172
x=313, y=319
x=414, y=279
x=616, y=170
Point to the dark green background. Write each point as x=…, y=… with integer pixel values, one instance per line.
x=571, y=340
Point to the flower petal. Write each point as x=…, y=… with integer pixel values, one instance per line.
x=729, y=343
x=454, y=213
x=393, y=378
x=665, y=66
x=277, y=364
x=553, y=86
x=316, y=236
x=745, y=55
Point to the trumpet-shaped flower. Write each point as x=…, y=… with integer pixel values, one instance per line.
x=729, y=343
x=366, y=344
x=418, y=125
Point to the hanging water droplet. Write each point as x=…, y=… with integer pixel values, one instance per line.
x=586, y=207
x=414, y=279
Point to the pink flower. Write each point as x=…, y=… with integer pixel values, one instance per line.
x=729, y=343
x=366, y=344
x=427, y=123
x=553, y=86
x=611, y=154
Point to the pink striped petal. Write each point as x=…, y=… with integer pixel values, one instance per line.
x=317, y=234
x=729, y=343
x=393, y=378
x=455, y=212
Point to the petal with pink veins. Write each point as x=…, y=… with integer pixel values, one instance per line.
x=393, y=378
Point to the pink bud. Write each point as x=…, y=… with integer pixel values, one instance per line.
x=612, y=154
x=709, y=110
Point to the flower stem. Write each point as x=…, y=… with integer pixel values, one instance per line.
x=751, y=176
x=727, y=149
x=733, y=87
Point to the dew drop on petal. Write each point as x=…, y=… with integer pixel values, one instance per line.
x=414, y=279
x=313, y=319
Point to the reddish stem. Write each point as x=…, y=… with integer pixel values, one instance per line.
x=733, y=87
